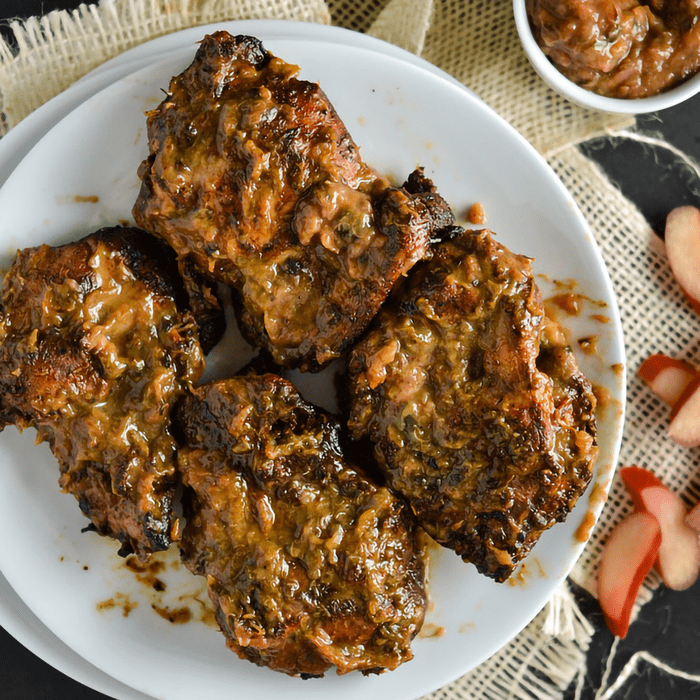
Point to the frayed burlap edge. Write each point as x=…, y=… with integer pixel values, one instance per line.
x=53, y=51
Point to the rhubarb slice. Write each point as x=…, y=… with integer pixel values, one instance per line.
x=682, y=237
x=627, y=558
x=666, y=376
x=684, y=427
x=678, y=559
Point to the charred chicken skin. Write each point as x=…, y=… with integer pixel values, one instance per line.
x=254, y=179
x=476, y=406
x=309, y=564
x=93, y=353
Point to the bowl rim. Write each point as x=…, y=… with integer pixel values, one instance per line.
x=585, y=98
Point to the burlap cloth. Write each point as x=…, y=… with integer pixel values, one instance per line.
x=475, y=41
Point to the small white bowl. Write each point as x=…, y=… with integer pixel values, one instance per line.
x=585, y=98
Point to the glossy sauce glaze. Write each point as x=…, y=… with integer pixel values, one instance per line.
x=94, y=353
x=620, y=48
x=253, y=177
x=479, y=414
x=309, y=563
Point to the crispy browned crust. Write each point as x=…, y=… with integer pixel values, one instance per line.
x=309, y=564
x=478, y=411
x=94, y=352
x=253, y=178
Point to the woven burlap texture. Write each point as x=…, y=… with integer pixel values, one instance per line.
x=476, y=42
x=55, y=50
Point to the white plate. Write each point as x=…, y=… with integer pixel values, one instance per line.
x=401, y=115
x=19, y=141
x=15, y=616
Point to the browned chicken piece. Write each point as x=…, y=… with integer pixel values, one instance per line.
x=94, y=352
x=253, y=178
x=476, y=407
x=309, y=564
x=201, y=296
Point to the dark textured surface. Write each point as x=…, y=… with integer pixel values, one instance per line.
x=656, y=180
x=669, y=625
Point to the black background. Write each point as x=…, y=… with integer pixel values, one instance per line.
x=669, y=626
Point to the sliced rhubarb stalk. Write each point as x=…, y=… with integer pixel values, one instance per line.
x=682, y=237
x=627, y=558
x=684, y=427
x=666, y=376
x=636, y=480
x=678, y=559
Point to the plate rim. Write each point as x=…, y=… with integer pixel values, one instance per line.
x=422, y=64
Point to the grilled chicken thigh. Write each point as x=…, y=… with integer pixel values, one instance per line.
x=309, y=564
x=253, y=178
x=94, y=351
x=478, y=411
